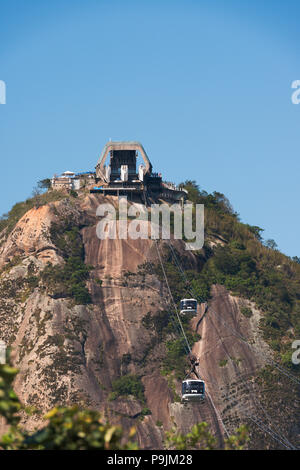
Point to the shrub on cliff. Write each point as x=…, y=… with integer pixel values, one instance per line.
x=9, y=220
x=68, y=279
x=128, y=385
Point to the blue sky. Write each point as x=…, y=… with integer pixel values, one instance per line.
x=204, y=85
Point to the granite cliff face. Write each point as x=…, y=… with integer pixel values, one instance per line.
x=69, y=352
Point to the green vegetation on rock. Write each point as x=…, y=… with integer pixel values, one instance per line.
x=128, y=385
x=9, y=220
x=248, y=269
x=68, y=279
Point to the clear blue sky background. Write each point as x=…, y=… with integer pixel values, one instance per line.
x=204, y=85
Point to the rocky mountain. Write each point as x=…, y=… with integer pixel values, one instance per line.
x=90, y=321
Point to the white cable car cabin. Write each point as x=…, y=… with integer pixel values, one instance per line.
x=193, y=390
x=188, y=306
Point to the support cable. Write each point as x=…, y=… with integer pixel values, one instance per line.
x=185, y=338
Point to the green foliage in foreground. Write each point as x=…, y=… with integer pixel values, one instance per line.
x=70, y=429
x=9, y=402
x=199, y=438
x=76, y=429
x=66, y=428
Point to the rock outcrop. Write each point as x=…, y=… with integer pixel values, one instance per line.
x=70, y=353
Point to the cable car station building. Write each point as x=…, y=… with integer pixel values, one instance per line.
x=120, y=176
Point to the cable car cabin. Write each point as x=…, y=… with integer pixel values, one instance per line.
x=188, y=306
x=193, y=390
